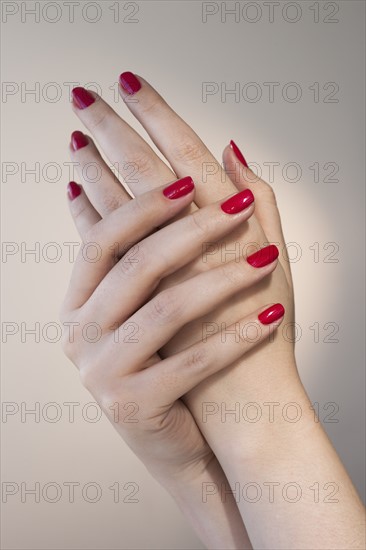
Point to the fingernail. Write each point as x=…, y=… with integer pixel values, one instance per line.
x=73, y=190
x=239, y=155
x=179, y=188
x=78, y=140
x=264, y=256
x=238, y=202
x=129, y=82
x=271, y=314
x=82, y=98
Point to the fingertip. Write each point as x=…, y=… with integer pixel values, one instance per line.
x=78, y=140
x=272, y=314
x=81, y=98
x=237, y=153
x=180, y=188
x=129, y=82
x=73, y=190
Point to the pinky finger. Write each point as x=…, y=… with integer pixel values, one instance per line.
x=82, y=210
x=177, y=375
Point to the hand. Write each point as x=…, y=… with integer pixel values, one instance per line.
x=142, y=170
x=119, y=363
x=112, y=295
x=269, y=374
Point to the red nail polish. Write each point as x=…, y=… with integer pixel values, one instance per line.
x=82, y=98
x=129, y=83
x=238, y=202
x=179, y=188
x=271, y=314
x=78, y=140
x=73, y=190
x=239, y=155
x=264, y=256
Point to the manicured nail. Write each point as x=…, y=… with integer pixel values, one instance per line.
x=179, y=188
x=264, y=256
x=238, y=202
x=82, y=98
x=78, y=140
x=129, y=83
x=271, y=314
x=73, y=190
x=239, y=155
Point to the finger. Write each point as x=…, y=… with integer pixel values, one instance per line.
x=172, y=378
x=115, y=235
x=100, y=184
x=266, y=206
x=139, y=166
x=137, y=274
x=162, y=317
x=84, y=214
x=180, y=145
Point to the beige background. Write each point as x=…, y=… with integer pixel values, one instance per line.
x=171, y=47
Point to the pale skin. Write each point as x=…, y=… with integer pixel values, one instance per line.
x=191, y=451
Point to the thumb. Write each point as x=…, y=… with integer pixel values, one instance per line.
x=266, y=210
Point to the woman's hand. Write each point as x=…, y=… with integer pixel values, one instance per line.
x=262, y=450
x=117, y=328
x=142, y=169
x=266, y=449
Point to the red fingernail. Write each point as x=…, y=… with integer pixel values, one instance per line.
x=179, y=188
x=73, y=190
x=82, y=98
x=271, y=314
x=239, y=155
x=78, y=140
x=129, y=83
x=238, y=202
x=264, y=256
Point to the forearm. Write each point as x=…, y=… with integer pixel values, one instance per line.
x=212, y=512
x=291, y=487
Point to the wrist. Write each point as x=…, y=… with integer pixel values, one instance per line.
x=240, y=412
x=204, y=497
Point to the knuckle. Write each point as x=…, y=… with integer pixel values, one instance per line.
x=90, y=375
x=142, y=163
x=198, y=359
x=79, y=209
x=99, y=120
x=111, y=201
x=69, y=341
x=166, y=307
x=118, y=402
x=190, y=150
x=200, y=223
x=133, y=262
x=86, y=377
x=155, y=103
x=67, y=348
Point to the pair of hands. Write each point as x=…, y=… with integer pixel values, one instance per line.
x=199, y=287
x=175, y=297
x=173, y=305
